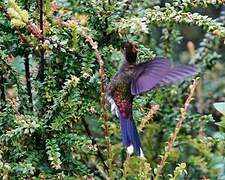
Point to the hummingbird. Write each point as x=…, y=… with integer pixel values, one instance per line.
x=134, y=79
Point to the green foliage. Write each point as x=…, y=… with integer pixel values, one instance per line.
x=60, y=131
x=179, y=171
x=19, y=18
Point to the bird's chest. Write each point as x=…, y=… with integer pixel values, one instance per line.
x=121, y=94
x=121, y=86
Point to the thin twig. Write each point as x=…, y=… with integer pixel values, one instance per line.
x=154, y=109
x=199, y=97
x=103, y=102
x=177, y=129
x=101, y=170
x=84, y=32
x=102, y=78
x=102, y=87
x=94, y=143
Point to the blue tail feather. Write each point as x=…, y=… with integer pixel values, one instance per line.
x=130, y=135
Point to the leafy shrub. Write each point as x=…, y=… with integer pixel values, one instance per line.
x=55, y=58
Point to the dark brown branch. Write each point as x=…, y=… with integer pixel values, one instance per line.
x=28, y=81
x=94, y=143
x=42, y=55
x=2, y=87
x=27, y=70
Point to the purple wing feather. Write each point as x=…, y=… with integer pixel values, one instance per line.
x=178, y=73
x=157, y=73
x=149, y=74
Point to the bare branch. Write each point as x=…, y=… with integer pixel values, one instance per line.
x=177, y=128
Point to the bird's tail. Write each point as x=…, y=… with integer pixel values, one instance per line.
x=130, y=137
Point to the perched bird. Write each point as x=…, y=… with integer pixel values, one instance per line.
x=133, y=79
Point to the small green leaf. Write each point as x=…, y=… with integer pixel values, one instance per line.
x=220, y=107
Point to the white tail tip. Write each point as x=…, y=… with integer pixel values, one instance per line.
x=130, y=150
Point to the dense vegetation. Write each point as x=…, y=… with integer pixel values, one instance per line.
x=56, y=58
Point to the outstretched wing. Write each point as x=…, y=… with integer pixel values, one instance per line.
x=148, y=74
x=178, y=73
x=156, y=73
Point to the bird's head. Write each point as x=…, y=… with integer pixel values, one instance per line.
x=130, y=52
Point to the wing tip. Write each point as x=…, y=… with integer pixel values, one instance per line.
x=195, y=70
x=191, y=69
